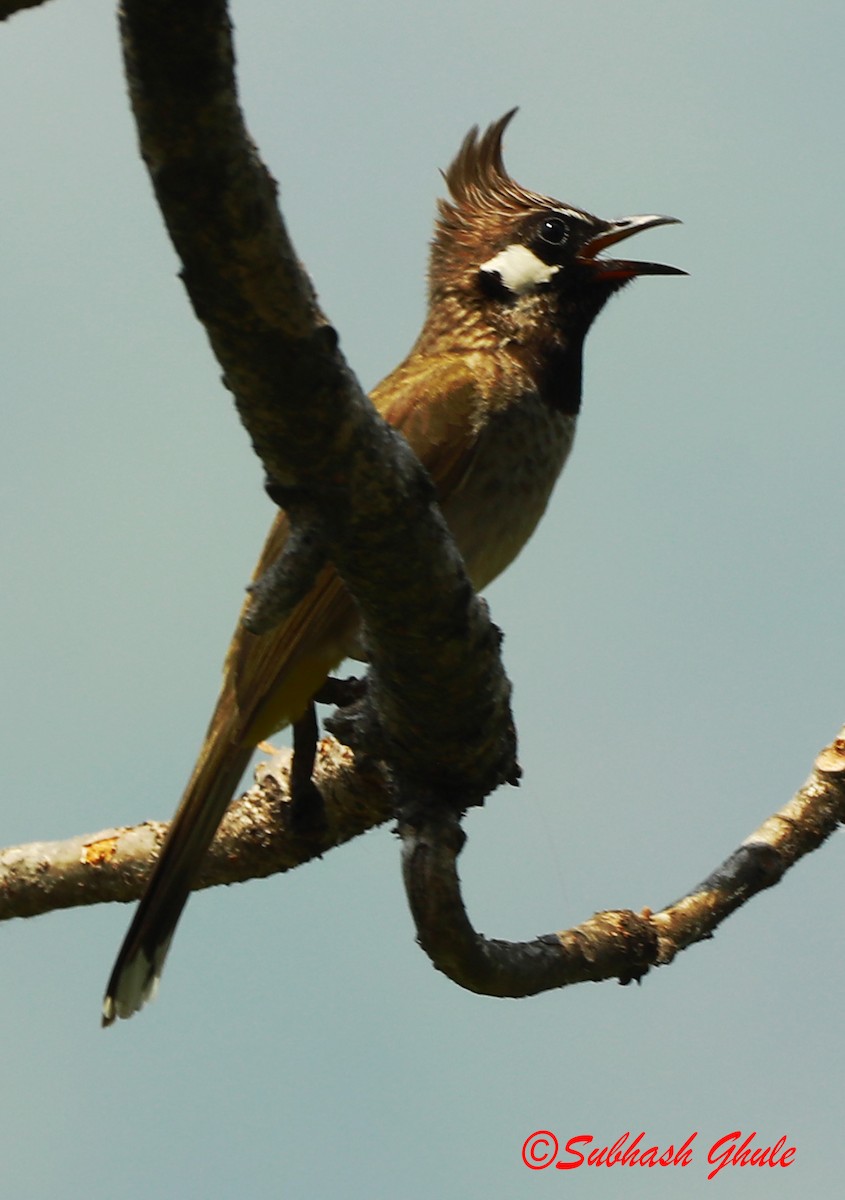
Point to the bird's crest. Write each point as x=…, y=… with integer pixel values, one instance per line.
x=480, y=186
x=484, y=207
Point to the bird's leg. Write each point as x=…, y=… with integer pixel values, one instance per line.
x=307, y=811
x=341, y=692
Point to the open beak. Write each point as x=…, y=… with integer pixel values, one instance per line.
x=617, y=231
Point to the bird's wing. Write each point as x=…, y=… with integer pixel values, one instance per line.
x=434, y=402
x=270, y=678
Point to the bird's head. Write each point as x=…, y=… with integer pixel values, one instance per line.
x=519, y=264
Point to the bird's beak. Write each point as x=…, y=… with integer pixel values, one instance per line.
x=617, y=231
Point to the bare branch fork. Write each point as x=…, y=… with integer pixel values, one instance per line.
x=436, y=712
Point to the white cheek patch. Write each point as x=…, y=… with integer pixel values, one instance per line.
x=519, y=269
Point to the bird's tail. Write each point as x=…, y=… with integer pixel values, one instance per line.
x=269, y=680
x=139, y=963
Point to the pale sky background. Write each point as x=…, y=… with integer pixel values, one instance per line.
x=674, y=633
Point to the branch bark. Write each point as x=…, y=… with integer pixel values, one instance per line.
x=438, y=702
x=622, y=944
x=254, y=840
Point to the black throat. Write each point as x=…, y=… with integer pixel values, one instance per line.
x=560, y=376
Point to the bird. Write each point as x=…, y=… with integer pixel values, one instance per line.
x=488, y=399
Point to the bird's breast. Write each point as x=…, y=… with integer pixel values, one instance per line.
x=520, y=454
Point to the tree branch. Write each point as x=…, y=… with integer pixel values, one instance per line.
x=254, y=840
x=8, y=8
x=438, y=702
x=621, y=945
x=437, y=707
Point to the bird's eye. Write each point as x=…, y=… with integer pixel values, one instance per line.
x=554, y=230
